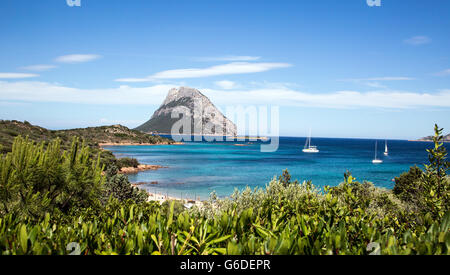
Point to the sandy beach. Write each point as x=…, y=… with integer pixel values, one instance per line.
x=162, y=198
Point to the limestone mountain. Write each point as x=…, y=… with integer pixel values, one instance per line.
x=188, y=103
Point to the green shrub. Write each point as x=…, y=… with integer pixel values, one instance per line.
x=290, y=228
x=127, y=162
x=407, y=185
x=119, y=187
x=427, y=191
x=35, y=179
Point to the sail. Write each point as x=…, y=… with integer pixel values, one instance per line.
x=308, y=140
x=376, y=143
x=385, y=148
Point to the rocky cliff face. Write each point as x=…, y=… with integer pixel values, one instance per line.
x=202, y=117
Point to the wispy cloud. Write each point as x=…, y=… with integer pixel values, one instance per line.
x=226, y=84
x=418, y=40
x=39, y=68
x=333, y=100
x=77, y=58
x=375, y=82
x=384, y=78
x=229, y=58
x=443, y=73
x=16, y=75
x=33, y=91
x=225, y=69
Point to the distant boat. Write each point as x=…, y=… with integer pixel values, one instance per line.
x=308, y=147
x=386, y=152
x=376, y=161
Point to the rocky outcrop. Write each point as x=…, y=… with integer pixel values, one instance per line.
x=202, y=117
x=430, y=138
x=140, y=168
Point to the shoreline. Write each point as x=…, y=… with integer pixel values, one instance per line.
x=139, y=168
x=417, y=140
x=233, y=138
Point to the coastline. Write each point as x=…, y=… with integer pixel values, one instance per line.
x=418, y=140
x=233, y=138
x=139, y=168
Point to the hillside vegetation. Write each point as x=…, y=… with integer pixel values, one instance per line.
x=61, y=202
x=92, y=136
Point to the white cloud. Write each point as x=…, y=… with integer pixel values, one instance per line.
x=39, y=68
x=226, y=84
x=374, y=82
x=384, y=78
x=334, y=100
x=16, y=75
x=443, y=73
x=77, y=58
x=35, y=91
x=154, y=95
x=418, y=40
x=225, y=69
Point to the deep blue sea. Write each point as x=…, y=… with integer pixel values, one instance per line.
x=198, y=168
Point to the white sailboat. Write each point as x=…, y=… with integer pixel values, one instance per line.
x=308, y=147
x=376, y=161
x=386, y=152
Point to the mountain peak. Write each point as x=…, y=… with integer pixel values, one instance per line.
x=188, y=102
x=182, y=92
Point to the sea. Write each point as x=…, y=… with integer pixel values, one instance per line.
x=196, y=169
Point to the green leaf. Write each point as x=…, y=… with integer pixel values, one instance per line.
x=24, y=238
x=219, y=240
x=170, y=220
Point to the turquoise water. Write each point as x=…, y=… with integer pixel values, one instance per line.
x=198, y=168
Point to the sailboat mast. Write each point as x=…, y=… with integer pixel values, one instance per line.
x=376, y=143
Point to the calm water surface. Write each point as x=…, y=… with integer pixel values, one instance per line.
x=198, y=168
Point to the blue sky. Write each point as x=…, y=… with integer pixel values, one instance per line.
x=342, y=68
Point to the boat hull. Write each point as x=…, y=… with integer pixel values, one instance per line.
x=310, y=151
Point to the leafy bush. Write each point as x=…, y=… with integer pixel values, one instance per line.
x=407, y=184
x=290, y=228
x=427, y=191
x=119, y=187
x=127, y=162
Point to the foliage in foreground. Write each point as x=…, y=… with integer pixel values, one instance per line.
x=319, y=224
x=36, y=179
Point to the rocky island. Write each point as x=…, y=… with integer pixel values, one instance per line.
x=430, y=138
x=190, y=103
